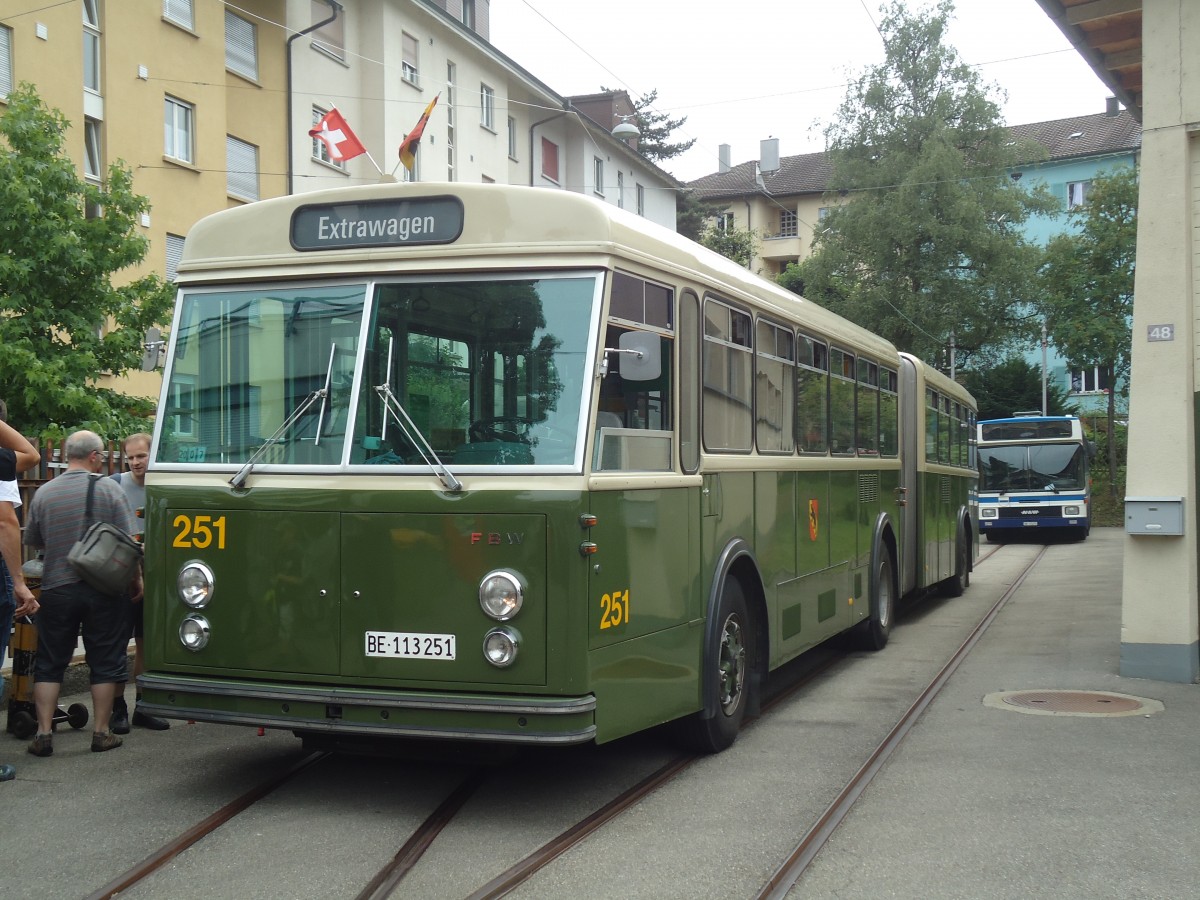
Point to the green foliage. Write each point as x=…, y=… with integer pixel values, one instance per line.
x=923, y=241
x=732, y=243
x=692, y=214
x=1087, y=285
x=1013, y=385
x=654, y=143
x=56, y=265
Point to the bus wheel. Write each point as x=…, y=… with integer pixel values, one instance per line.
x=873, y=632
x=957, y=584
x=727, y=671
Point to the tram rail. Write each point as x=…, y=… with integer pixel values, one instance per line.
x=389, y=878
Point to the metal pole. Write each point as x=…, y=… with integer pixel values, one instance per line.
x=1044, y=389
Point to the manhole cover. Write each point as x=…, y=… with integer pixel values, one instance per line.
x=1072, y=703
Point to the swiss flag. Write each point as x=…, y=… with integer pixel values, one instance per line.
x=332, y=129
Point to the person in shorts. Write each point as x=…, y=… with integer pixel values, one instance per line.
x=16, y=599
x=70, y=605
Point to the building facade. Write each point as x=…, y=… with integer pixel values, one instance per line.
x=782, y=200
x=210, y=105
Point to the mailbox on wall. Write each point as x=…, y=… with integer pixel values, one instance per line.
x=1154, y=516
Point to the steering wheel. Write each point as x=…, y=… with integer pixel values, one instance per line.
x=500, y=428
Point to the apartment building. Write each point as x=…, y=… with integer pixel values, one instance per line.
x=210, y=104
x=782, y=200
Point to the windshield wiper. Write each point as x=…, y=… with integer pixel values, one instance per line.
x=239, y=479
x=416, y=438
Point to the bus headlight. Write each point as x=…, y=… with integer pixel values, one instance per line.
x=501, y=594
x=1071, y=511
x=195, y=583
x=500, y=647
x=988, y=513
x=193, y=632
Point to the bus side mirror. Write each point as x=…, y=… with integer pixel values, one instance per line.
x=642, y=356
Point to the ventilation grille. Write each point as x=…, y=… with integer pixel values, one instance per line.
x=868, y=487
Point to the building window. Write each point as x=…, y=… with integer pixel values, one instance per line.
x=174, y=255
x=787, y=223
x=512, y=138
x=91, y=150
x=6, y=66
x=468, y=13
x=598, y=169
x=641, y=200
x=550, y=160
x=451, y=120
x=1077, y=192
x=91, y=46
x=725, y=222
x=620, y=190
x=241, y=169
x=241, y=46
x=178, y=124
x=1091, y=380
x=487, y=107
x=331, y=37
x=410, y=49
x=180, y=12
x=320, y=150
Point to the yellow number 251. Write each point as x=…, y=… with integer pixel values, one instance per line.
x=199, y=532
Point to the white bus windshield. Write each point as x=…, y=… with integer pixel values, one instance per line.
x=1039, y=467
x=490, y=370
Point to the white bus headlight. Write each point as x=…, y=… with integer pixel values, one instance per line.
x=988, y=513
x=500, y=647
x=1071, y=511
x=193, y=632
x=501, y=594
x=195, y=583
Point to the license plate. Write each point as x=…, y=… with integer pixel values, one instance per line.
x=409, y=645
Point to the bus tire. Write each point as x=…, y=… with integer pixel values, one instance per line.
x=957, y=584
x=872, y=633
x=727, y=665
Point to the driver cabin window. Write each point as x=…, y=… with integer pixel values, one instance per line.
x=634, y=419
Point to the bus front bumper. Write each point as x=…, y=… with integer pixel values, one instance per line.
x=370, y=712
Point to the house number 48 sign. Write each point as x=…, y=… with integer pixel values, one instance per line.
x=1160, y=333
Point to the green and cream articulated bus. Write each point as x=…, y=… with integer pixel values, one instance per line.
x=477, y=462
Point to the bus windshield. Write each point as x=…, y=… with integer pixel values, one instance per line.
x=1041, y=467
x=488, y=370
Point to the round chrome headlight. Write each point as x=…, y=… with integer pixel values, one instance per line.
x=193, y=632
x=500, y=647
x=195, y=584
x=501, y=594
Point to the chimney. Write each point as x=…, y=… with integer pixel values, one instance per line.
x=723, y=154
x=768, y=155
x=1112, y=107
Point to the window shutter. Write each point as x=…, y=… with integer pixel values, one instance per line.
x=241, y=52
x=174, y=255
x=241, y=163
x=5, y=60
x=179, y=11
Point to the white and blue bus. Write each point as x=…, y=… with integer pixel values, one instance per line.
x=1033, y=474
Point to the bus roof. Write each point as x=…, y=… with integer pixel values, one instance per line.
x=502, y=227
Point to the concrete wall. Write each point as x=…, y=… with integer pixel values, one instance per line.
x=1160, y=633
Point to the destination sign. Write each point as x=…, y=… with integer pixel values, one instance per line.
x=377, y=223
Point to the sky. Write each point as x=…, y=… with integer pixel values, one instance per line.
x=748, y=70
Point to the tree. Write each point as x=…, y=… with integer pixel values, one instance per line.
x=61, y=241
x=732, y=243
x=1088, y=287
x=692, y=215
x=922, y=243
x=1014, y=385
x=654, y=142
